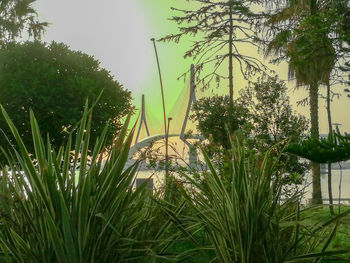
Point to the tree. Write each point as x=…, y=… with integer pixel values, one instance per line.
x=220, y=28
x=343, y=34
x=263, y=114
x=274, y=122
x=17, y=17
x=335, y=148
x=217, y=118
x=54, y=82
x=300, y=32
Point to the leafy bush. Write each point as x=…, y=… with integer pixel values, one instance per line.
x=244, y=218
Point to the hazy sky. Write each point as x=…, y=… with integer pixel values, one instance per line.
x=118, y=32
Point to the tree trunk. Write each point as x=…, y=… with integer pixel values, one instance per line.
x=329, y=165
x=316, y=178
x=230, y=62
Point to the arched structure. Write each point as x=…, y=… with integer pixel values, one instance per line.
x=151, y=138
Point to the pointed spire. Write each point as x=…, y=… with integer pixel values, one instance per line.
x=143, y=119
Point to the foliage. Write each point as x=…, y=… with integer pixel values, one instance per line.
x=74, y=206
x=273, y=121
x=308, y=49
x=54, y=82
x=17, y=17
x=312, y=36
x=301, y=33
x=342, y=32
x=220, y=29
x=264, y=115
x=217, y=118
x=66, y=206
x=336, y=148
x=245, y=219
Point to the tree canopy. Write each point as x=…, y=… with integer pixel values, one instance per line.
x=222, y=30
x=55, y=82
x=217, y=118
x=264, y=116
x=335, y=148
x=273, y=122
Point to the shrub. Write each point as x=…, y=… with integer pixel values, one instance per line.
x=243, y=216
x=79, y=208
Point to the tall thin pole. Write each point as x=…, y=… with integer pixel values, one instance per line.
x=164, y=114
x=167, y=149
x=230, y=62
x=329, y=164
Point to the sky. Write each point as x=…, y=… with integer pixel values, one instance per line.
x=118, y=33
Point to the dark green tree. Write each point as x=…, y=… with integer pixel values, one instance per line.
x=274, y=122
x=335, y=148
x=220, y=30
x=217, y=118
x=18, y=17
x=54, y=82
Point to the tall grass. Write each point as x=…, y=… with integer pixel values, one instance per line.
x=242, y=214
x=73, y=205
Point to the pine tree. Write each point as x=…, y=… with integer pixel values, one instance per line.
x=220, y=28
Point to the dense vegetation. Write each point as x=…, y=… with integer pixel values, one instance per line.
x=67, y=194
x=54, y=82
x=83, y=208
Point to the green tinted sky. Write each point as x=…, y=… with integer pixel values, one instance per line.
x=118, y=32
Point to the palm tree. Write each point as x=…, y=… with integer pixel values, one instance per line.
x=18, y=16
x=301, y=34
